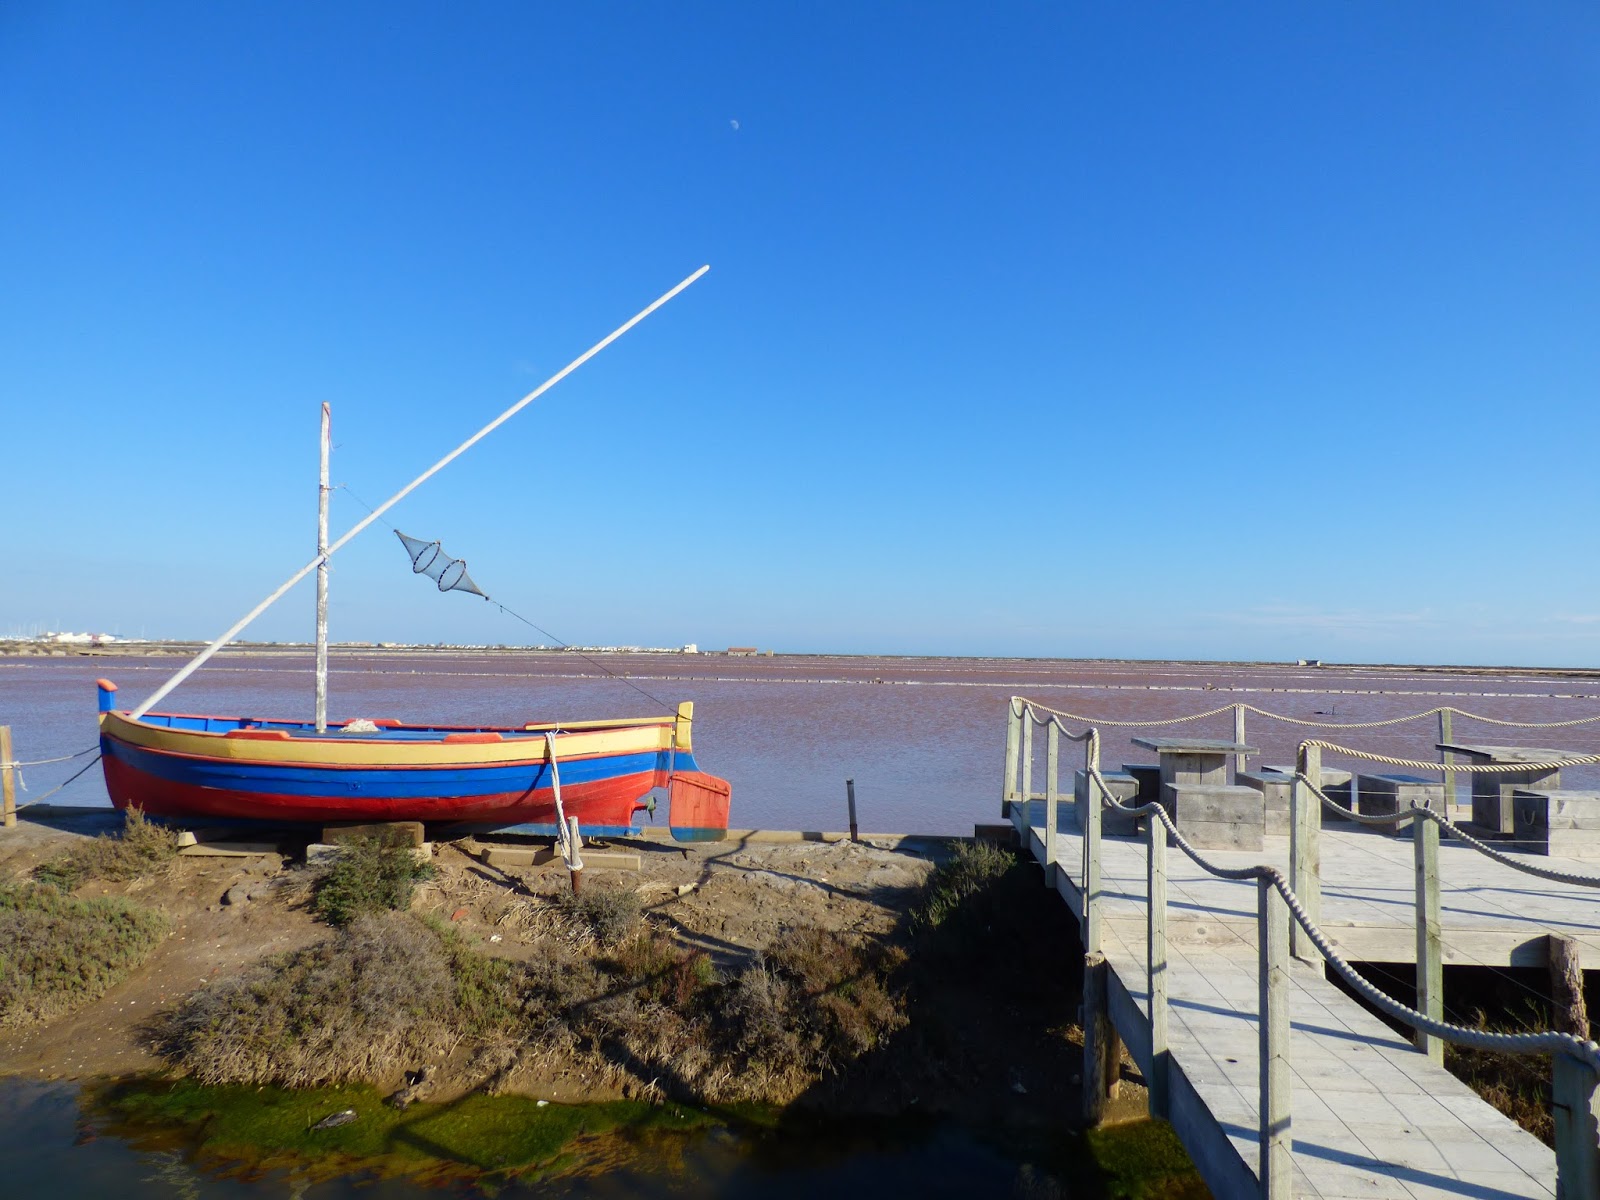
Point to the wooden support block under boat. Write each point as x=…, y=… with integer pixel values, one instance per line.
x=594, y=859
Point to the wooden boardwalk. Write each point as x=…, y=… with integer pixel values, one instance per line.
x=1371, y=1115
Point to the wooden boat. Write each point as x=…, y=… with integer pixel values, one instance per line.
x=179, y=765
x=592, y=776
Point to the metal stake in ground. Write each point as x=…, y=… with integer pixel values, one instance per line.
x=850, y=794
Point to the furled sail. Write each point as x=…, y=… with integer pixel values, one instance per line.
x=429, y=558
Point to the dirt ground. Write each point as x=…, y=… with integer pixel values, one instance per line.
x=729, y=899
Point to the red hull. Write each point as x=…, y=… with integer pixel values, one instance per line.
x=601, y=804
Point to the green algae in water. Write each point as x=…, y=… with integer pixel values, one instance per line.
x=1144, y=1160
x=477, y=1133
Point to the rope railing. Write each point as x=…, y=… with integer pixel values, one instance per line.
x=1416, y=811
x=1543, y=1042
x=1021, y=707
x=1416, y=764
x=1443, y=709
x=1575, y=1060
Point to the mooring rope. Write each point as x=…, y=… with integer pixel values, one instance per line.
x=71, y=778
x=44, y=762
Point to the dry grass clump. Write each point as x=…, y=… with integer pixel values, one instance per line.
x=818, y=1001
x=57, y=951
x=375, y=996
x=141, y=849
x=1516, y=1084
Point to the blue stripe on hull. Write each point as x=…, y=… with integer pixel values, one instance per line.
x=369, y=783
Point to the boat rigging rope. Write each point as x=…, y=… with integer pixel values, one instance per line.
x=1548, y=1042
x=671, y=708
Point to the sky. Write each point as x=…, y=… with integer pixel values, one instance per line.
x=1239, y=330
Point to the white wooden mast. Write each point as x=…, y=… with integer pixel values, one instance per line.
x=322, y=557
x=322, y=578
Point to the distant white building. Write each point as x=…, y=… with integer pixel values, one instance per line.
x=691, y=648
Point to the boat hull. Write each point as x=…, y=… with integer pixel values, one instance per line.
x=188, y=767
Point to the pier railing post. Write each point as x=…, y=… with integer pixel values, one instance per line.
x=1238, y=736
x=1156, y=969
x=1577, y=1128
x=1052, y=794
x=1430, y=944
x=8, y=781
x=1013, y=749
x=1091, y=867
x=1027, y=771
x=1305, y=845
x=1447, y=758
x=1277, y=1162
x=1096, y=1037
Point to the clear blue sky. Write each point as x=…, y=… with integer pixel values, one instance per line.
x=1234, y=330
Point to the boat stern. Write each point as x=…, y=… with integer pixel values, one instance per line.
x=698, y=807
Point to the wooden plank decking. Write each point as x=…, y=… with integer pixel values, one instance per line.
x=1371, y=1116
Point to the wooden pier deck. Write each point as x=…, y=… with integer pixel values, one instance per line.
x=1371, y=1116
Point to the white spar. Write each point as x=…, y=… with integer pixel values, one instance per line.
x=194, y=664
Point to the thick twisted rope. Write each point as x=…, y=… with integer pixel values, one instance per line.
x=1123, y=724
x=1031, y=710
x=1546, y=1042
x=1468, y=768
x=1455, y=831
x=1288, y=720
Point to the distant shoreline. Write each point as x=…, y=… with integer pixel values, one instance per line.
x=18, y=648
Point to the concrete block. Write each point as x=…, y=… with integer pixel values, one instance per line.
x=1217, y=816
x=1494, y=795
x=324, y=854
x=1274, y=788
x=1337, y=785
x=1387, y=795
x=239, y=849
x=1558, y=822
x=1124, y=790
x=997, y=835
x=1148, y=776
x=343, y=831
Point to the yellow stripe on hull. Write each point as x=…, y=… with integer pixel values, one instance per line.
x=586, y=739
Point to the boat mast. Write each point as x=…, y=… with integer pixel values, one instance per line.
x=322, y=580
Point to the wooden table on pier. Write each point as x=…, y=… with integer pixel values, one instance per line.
x=1194, y=760
x=1492, y=793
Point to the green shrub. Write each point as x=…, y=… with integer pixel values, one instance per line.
x=57, y=951
x=371, y=875
x=973, y=869
x=142, y=848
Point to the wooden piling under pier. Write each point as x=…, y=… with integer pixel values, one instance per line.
x=1367, y=1113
